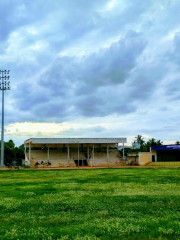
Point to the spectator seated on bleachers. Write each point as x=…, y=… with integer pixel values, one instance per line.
x=36, y=164
x=48, y=163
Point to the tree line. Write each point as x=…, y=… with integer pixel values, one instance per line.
x=145, y=146
x=11, y=151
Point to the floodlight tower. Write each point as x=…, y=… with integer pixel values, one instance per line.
x=4, y=85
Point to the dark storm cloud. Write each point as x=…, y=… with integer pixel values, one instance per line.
x=82, y=85
x=106, y=67
x=171, y=85
x=28, y=96
x=144, y=80
x=106, y=101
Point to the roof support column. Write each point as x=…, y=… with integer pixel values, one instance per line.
x=78, y=154
x=68, y=153
x=92, y=157
x=107, y=152
x=48, y=154
x=25, y=151
x=88, y=153
x=123, y=151
x=30, y=154
x=155, y=156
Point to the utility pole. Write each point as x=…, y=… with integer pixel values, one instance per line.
x=4, y=85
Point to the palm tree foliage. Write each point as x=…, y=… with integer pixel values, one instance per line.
x=145, y=146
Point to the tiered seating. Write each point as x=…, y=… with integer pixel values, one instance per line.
x=115, y=158
x=57, y=158
x=100, y=158
x=37, y=156
x=40, y=155
x=74, y=154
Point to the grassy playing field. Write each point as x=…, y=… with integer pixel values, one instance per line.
x=90, y=204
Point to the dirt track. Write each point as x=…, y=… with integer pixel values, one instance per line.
x=79, y=168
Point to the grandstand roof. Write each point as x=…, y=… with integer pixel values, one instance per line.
x=75, y=140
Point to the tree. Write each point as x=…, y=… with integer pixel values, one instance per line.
x=145, y=146
x=139, y=139
x=177, y=142
x=19, y=151
x=10, y=151
x=153, y=142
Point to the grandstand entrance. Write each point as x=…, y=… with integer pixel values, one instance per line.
x=82, y=162
x=168, y=156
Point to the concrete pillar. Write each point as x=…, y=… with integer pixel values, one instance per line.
x=107, y=152
x=123, y=151
x=25, y=150
x=92, y=157
x=78, y=154
x=87, y=153
x=68, y=153
x=155, y=156
x=29, y=153
x=48, y=154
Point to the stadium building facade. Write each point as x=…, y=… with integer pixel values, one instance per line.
x=166, y=153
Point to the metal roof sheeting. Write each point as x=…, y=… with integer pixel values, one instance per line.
x=74, y=140
x=165, y=147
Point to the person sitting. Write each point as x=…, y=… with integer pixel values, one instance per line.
x=48, y=163
x=36, y=164
x=42, y=162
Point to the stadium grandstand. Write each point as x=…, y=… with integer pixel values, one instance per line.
x=73, y=152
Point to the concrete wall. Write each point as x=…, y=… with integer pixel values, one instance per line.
x=144, y=158
x=57, y=158
x=141, y=158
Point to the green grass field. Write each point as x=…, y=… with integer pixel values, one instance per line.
x=90, y=204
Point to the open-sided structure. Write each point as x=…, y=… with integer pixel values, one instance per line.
x=166, y=153
x=63, y=152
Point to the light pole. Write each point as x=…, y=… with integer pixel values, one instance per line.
x=4, y=85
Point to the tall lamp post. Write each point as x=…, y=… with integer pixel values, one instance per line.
x=4, y=85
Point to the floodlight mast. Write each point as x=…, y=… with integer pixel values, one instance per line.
x=4, y=85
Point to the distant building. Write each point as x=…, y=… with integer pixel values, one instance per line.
x=136, y=145
x=121, y=147
x=166, y=153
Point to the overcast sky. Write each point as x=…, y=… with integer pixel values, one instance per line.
x=91, y=68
